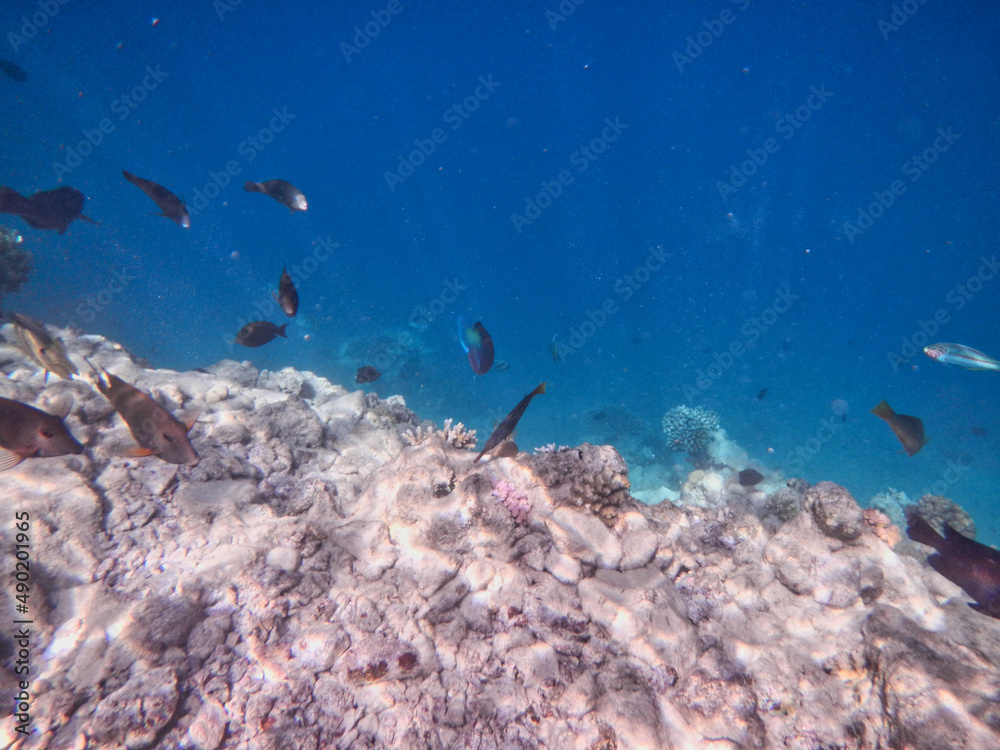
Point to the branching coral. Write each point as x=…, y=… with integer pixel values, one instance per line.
x=457, y=436
x=15, y=262
x=690, y=430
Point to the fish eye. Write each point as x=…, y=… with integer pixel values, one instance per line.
x=46, y=433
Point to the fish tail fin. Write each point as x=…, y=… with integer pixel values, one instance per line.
x=281, y=330
x=920, y=531
x=882, y=410
x=539, y=389
x=252, y=187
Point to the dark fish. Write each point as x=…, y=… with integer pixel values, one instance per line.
x=154, y=428
x=478, y=344
x=171, y=206
x=27, y=432
x=367, y=374
x=979, y=431
x=259, y=332
x=501, y=365
x=284, y=192
x=750, y=478
x=763, y=392
x=46, y=209
x=45, y=350
x=909, y=430
x=508, y=423
x=973, y=567
x=14, y=72
x=287, y=296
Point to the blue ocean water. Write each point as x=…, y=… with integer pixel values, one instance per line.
x=695, y=203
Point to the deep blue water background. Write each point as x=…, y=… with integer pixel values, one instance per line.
x=450, y=221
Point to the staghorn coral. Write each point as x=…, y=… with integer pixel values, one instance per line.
x=690, y=430
x=15, y=262
x=456, y=436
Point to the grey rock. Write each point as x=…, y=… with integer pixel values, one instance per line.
x=136, y=713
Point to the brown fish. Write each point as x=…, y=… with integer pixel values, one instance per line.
x=287, y=296
x=506, y=449
x=367, y=374
x=27, y=432
x=45, y=350
x=909, y=430
x=508, y=423
x=284, y=192
x=750, y=478
x=46, y=209
x=171, y=206
x=259, y=332
x=973, y=567
x=154, y=428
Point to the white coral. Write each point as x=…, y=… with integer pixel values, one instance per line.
x=455, y=435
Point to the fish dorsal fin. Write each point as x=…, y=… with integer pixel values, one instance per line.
x=189, y=420
x=9, y=459
x=65, y=407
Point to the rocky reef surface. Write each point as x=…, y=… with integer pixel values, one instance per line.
x=316, y=582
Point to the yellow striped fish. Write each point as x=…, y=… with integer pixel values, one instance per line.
x=962, y=356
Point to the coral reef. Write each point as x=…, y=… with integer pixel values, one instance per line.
x=515, y=501
x=456, y=436
x=937, y=511
x=882, y=526
x=15, y=262
x=313, y=583
x=690, y=430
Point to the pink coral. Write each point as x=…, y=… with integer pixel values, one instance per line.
x=882, y=527
x=515, y=501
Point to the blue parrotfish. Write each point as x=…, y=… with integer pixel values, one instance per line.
x=961, y=356
x=477, y=344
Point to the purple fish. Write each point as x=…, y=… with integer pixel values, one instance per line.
x=478, y=344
